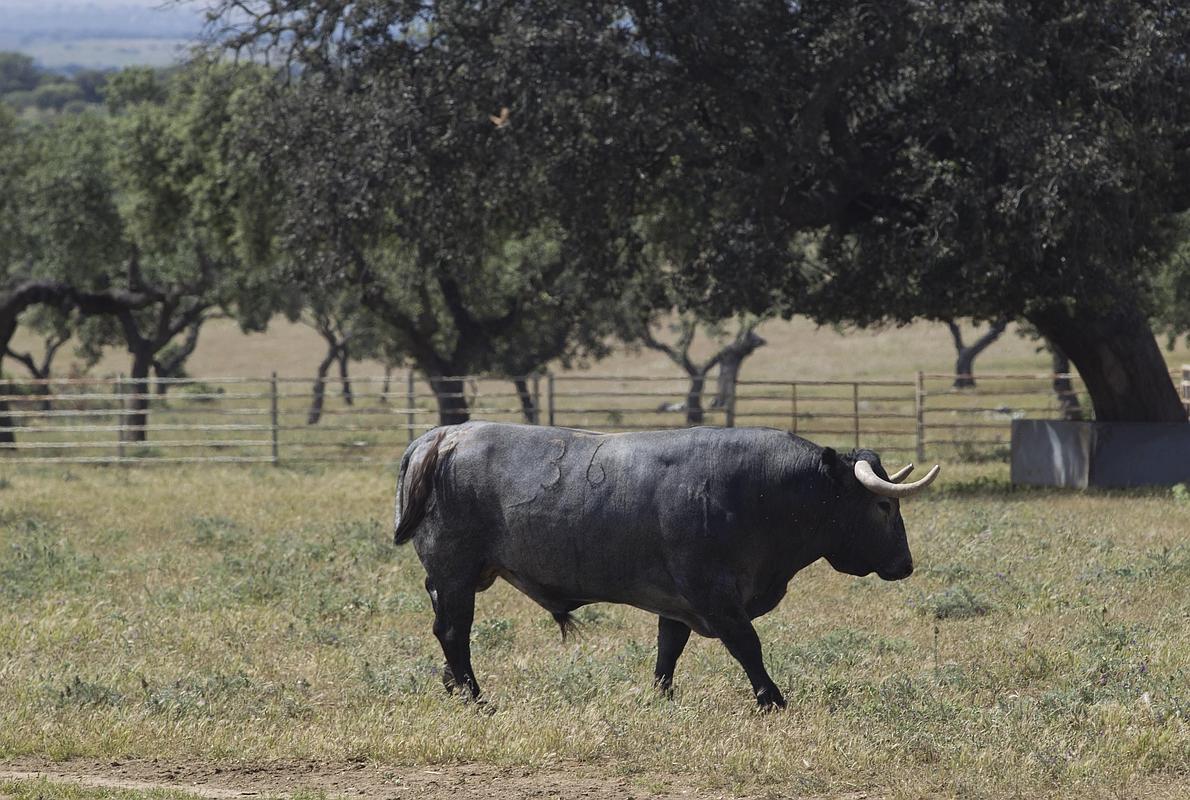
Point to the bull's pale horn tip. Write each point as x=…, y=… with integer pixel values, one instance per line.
x=877, y=485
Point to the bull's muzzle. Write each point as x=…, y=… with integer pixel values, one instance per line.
x=899, y=571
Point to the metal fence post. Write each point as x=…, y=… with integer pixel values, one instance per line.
x=411, y=412
x=549, y=388
x=919, y=407
x=855, y=410
x=536, y=399
x=122, y=405
x=276, y=420
x=1186, y=388
x=793, y=404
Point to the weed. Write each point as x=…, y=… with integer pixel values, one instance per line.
x=957, y=602
x=949, y=573
x=494, y=633
x=198, y=392
x=82, y=693
x=592, y=615
x=40, y=559
x=1181, y=493
x=412, y=677
x=215, y=531
x=193, y=696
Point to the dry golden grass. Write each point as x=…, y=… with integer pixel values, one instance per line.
x=255, y=614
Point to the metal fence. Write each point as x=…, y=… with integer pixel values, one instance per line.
x=265, y=420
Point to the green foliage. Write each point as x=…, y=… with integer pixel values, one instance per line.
x=134, y=86
x=17, y=73
x=39, y=93
x=143, y=198
x=857, y=163
x=393, y=185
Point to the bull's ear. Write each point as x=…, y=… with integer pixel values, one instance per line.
x=833, y=465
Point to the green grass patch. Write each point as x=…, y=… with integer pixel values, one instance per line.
x=261, y=615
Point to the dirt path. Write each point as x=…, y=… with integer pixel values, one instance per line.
x=355, y=780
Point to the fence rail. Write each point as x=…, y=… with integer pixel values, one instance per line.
x=265, y=420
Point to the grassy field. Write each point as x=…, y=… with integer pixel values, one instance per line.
x=250, y=616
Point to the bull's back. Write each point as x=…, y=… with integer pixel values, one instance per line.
x=600, y=516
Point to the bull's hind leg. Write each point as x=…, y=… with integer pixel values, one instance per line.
x=454, y=611
x=671, y=641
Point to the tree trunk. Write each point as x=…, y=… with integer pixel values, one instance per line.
x=344, y=377
x=320, y=387
x=730, y=360
x=9, y=313
x=1118, y=358
x=452, y=400
x=138, y=397
x=1063, y=387
x=37, y=373
x=964, y=365
x=45, y=391
x=694, y=412
x=528, y=409
x=388, y=379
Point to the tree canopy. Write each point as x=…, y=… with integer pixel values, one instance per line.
x=490, y=187
x=853, y=162
x=135, y=218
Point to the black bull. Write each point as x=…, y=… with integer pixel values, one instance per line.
x=703, y=527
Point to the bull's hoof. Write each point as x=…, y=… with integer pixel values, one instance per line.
x=448, y=679
x=768, y=700
x=664, y=687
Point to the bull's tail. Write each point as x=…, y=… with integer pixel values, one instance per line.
x=414, y=490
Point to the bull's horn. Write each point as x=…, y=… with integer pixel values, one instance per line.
x=901, y=474
x=877, y=485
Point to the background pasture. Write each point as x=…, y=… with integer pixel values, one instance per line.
x=256, y=615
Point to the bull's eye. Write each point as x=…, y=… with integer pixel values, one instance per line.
x=885, y=505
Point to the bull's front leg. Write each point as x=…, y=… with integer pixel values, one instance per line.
x=740, y=638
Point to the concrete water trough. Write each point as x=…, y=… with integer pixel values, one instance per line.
x=1105, y=454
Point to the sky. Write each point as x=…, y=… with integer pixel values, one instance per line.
x=98, y=33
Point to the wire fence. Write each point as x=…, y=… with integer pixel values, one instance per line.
x=267, y=420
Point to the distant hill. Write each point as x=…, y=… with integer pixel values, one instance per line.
x=68, y=35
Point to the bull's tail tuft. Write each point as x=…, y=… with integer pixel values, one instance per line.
x=414, y=489
x=567, y=623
